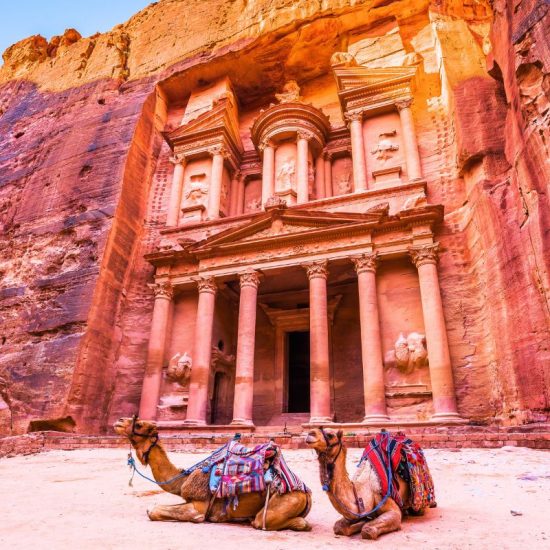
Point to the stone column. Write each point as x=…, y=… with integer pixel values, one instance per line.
x=216, y=180
x=320, y=177
x=441, y=375
x=302, y=183
x=240, y=195
x=268, y=171
x=319, y=345
x=234, y=193
x=244, y=373
x=371, y=345
x=412, y=158
x=176, y=189
x=357, y=151
x=200, y=373
x=150, y=391
x=329, y=191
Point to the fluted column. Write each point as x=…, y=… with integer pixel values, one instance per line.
x=176, y=190
x=302, y=183
x=441, y=375
x=371, y=344
x=216, y=181
x=320, y=177
x=268, y=171
x=244, y=375
x=412, y=157
x=233, y=193
x=329, y=191
x=319, y=345
x=240, y=195
x=150, y=391
x=198, y=386
x=357, y=151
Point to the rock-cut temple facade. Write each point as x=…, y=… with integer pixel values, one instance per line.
x=335, y=216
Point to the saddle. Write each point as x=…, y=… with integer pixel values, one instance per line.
x=407, y=460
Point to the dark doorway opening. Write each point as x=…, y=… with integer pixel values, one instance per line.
x=298, y=372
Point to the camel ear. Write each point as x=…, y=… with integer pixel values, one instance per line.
x=339, y=434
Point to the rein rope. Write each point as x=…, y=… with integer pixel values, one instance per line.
x=327, y=474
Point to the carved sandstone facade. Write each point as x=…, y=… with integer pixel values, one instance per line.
x=333, y=213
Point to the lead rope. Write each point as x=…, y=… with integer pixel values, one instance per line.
x=265, y=506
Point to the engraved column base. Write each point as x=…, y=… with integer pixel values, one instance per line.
x=320, y=420
x=191, y=422
x=448, y=417
x=375, y=419
x=242, y=422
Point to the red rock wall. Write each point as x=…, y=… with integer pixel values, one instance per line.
x=83, y=196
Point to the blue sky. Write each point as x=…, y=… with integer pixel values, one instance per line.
x=22, y=18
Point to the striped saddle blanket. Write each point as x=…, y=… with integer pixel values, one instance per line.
x=236, y=469
x=408, y=461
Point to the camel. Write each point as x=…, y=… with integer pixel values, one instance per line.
x=349, y=496
x=284, y=511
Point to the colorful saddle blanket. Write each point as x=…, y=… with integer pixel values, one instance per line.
x=236, y=469
x=407, y=460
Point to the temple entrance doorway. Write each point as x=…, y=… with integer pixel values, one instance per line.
x=219, y=412
x=297, y=375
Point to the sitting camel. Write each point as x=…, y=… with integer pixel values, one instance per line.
x=360, y=501
x=284, y=511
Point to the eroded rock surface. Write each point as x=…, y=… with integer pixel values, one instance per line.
x=84, y=183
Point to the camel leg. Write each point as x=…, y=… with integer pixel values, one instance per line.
x=389, y=520
x=347, y=528
x=283, y=512
x=176, y=512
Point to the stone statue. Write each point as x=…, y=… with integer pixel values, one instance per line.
x=179, y=369
x=290, y=93
x=414, y=201
x=343, y=183
x=385, y=148
x=196, y=193
x=254, y=204
x=410, y=352
x=286, y=175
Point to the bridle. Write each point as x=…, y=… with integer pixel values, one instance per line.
x=328, y=471
x=155, y=438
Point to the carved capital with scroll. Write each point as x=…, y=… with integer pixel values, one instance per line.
x=424, y=254
x=249, y=278
x=316, y=269
x=162, y=290
x=404, y=103
x=366, y=262
x=206, y=284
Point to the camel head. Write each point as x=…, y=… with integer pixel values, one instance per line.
x=325, y=440
x=142, y=434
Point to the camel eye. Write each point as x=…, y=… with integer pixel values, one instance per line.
x=138, y=425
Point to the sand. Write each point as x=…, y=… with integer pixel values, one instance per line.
x=81, y=499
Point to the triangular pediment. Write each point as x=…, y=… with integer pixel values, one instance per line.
x=283, y=224
x=222, y=118
x=351, y=78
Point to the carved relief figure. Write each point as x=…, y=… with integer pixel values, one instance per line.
x=343, y=183
x=290, y=93
x=344, y=59
x=286, y=176
x=310, y=178
x=179, y=369
x=197, y=191
x=254, y=204
x=385, y=148
x=410, y=352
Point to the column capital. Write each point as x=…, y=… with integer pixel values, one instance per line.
x=353, y=116
x=162, y=290
x=404, y=103
x=424, y=254
x=237, y=175
x=327, y=155
x=366, y=262
x=316, y=269
x=219, y=150
x=266, y=142
x=177, y=159
x=206, y=284
x=249, y=278
x=304, y=134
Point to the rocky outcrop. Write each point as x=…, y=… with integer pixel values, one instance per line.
x=84, y=176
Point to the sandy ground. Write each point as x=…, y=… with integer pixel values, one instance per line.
x=81, y=499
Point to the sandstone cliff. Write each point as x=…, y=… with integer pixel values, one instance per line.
x=84, y=171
